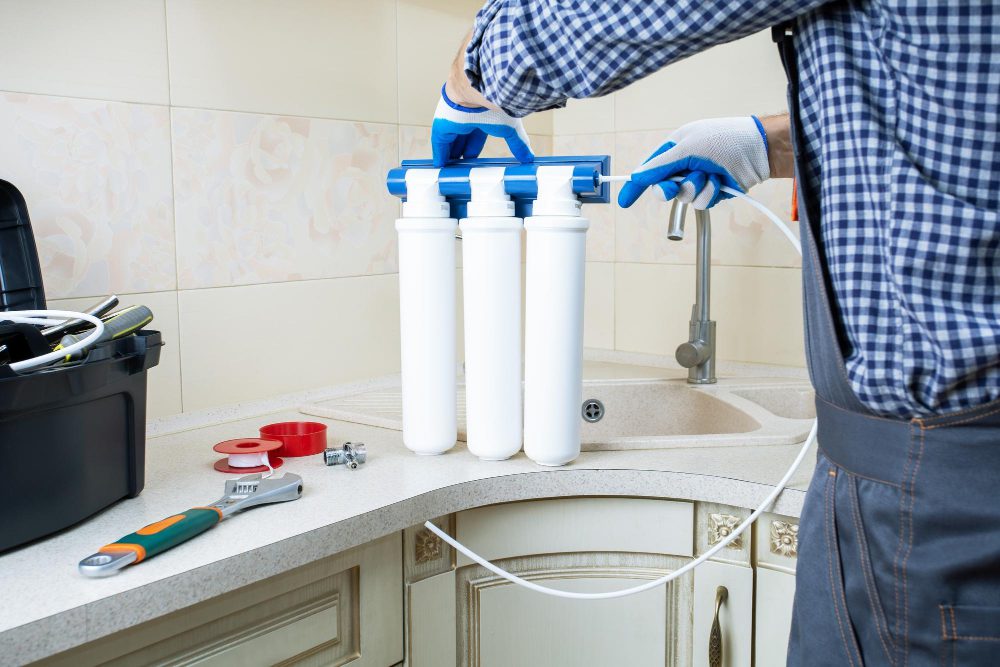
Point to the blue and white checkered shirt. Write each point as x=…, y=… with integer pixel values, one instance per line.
x=900, y=107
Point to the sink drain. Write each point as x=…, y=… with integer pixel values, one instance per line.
x=592, y=410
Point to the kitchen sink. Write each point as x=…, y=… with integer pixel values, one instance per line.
x=788, y=402
x=641, y=414
x=656, y=409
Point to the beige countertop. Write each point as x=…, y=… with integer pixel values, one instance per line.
x=50, y=607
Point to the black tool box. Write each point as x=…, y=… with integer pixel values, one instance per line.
x=72, y=437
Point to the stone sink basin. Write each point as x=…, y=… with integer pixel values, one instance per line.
x=652, y=414
x=642, y=414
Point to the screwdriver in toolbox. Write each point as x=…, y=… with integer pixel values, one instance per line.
x=102, y=308
x=120, y=323
x=54, y=333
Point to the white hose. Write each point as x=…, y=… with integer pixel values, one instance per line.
x=50, y=318
x=768, y=501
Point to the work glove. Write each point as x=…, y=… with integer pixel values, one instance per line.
x=460, y=132
x=707, y=154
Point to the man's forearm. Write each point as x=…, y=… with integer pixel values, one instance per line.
x=457, y=86
x=779, y=145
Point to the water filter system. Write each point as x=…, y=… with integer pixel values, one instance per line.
x=492, y=196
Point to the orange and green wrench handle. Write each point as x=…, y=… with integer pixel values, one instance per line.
x=166, y=533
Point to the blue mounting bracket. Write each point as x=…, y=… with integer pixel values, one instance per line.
x=519, y=179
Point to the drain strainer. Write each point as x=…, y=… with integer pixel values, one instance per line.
x=592, y=410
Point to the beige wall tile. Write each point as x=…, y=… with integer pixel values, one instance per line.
x=539, y=123
x=759, y=311
x=601, y=235
x=430, y=33
x=273, y=198
x=320, y=58
x=743, y=236
x=652, y=307
x=599, y=306
x=96, y=176
x=163, y=395
x=542, y=144
x=641, y=229
x=740, y=78
x=110, y=49
x=245, y=343
x=596, y=114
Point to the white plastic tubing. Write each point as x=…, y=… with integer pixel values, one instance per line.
x=51, y=318
x=768, y=501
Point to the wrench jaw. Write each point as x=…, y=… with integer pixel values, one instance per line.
x=253, y=490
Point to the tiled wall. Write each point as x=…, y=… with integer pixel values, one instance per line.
x=222, y=161
x=640, y=286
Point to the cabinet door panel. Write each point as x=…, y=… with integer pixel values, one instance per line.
x=735, y=616
x=521, y=627
x=775, y=592
x=431, y=622
x=565, y=525
x=504, y=624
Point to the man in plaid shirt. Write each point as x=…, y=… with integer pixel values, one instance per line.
x=893, y=135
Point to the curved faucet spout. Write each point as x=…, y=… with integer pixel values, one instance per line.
x=698, y=353
x=675, y=231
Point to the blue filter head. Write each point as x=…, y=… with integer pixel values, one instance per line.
x=519, y=179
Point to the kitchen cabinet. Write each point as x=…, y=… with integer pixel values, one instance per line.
x=409, y=597
x=342, y=610
x=459, y=614
x=578, y=544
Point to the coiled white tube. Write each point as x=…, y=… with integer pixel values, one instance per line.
x=768, y=501
x=50, y=318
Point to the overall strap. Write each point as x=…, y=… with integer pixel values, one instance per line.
x=823, y=351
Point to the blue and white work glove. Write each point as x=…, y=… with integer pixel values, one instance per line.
x=461, y=132
x=707, y=154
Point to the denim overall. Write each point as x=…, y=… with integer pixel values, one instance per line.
x=899, y=538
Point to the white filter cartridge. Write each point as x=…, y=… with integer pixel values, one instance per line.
x=491, y=277
x=553, y=354
x=427, y=316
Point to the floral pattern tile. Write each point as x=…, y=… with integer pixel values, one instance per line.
x=601, y=235
x=264, y=198
x=96, y=177
x=742, y=236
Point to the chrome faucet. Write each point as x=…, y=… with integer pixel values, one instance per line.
x=698, y=353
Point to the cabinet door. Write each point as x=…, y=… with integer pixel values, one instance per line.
x=514, y=626
x=577, y=544
x=775, y=592
x=735, y=613
x=430, y=625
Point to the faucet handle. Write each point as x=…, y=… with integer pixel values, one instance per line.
x=692, y=353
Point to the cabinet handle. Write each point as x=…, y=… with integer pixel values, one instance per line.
x=715, y=636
